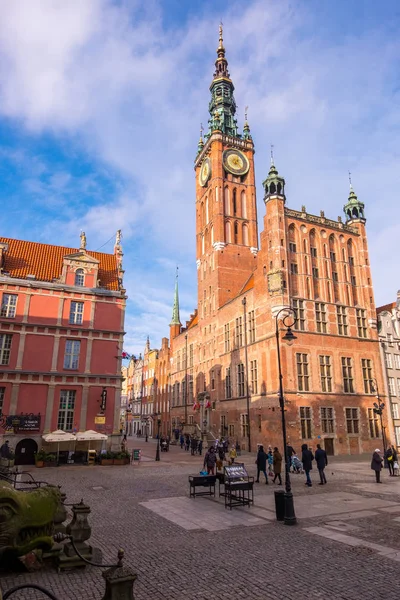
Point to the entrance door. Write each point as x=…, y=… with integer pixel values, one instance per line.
x=25, y=452
x=329, y=448
x=354, y=445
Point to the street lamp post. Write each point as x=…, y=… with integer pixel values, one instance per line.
x=290, y=517
x=156, y=415
x=378, y=410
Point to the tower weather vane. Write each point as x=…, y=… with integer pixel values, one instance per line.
x=246, y=108
x=272, y=154
x=350, y=180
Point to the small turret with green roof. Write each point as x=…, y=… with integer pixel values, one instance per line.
x=274, y=184
x=354, y=209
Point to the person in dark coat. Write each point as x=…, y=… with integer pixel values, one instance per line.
x=290, y=451
x=306, y=458
x=187, y=442
x=390, y=460
x=5, y=451
x=376, y=465
x=210, y=460
x=261, y=462
x=193, y=445
x=200, y=447
x=182, y=441
x=322, y=461
x=277, y=465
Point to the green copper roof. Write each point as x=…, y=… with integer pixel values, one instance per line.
x=354, y=209
x=274, y=184
x=175, y=311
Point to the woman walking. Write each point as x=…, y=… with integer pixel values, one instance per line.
x=277, y=462
x=261, y=462
x=376, y=465
x=306, y=458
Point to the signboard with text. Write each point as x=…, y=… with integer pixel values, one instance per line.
x=23, y=422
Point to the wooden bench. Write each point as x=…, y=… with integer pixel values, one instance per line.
x=202, y=481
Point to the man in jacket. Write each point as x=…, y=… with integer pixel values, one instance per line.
x=5, y=451
x=261, y=462
x=376, y=465
x=209, y=460
x=306, y=458
x=322, y=461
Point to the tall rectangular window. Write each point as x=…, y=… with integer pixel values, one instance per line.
x=366, y=367
x=8, y=305
x=76, y=313
x=397, y=361
x=5, y=348
x=191, y=388
x=231, y=431
x=361, y=322
x=253, y=376
x=66, y=410
x=397, y=434
x=244, y=425
x=239, y=332
x=341, y=315
x=294, y=268
x=395, y=410
x=252, y=327
x=298, y=307
x=327, y=420
x=333, y=256
x=320, y=317
x=392, y=386
x=313, y=251
x=353, y=280
x=228, y=383
x=398, y=387
x=191, y=355
x=2, y=394
x=305, y=422
x=388, y=360
x=373, y=422
x=212, y=379
x=302, y=372
x=352, y=420
x=315, y=272
x=240, y=374
x=227, y=337
x=184, y=364
x=292, y=247
x=325, y=371
x=71, y=356
x=178, y=361
x=347, y=374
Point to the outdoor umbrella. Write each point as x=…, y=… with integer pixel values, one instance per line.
x=90, y=436
x=57, y=437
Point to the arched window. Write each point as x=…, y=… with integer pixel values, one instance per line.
x=244, y=207
x=212, y=235
x=226, y=201
x=234, y=202
x=236, y=233
x=79, y=277
x=228, y=235
x=245, y=234
x=207, y=217
x=272, y=188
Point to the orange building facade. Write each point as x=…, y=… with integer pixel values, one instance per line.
x=223, y=365
x=61, y=336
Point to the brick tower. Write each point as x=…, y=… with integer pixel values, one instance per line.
x=226, y=213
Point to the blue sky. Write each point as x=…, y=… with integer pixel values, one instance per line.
x=100, y=107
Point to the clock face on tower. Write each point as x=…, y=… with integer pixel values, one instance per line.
x=235, y=162
x=205, y=172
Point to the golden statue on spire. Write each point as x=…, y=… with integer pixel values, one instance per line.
x=221, y=40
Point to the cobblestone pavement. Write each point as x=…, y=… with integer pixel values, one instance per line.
x=318, y=559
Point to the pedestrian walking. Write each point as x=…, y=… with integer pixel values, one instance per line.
x=322, y=461
x=290, y=451
x=306, y=458
x=277, y=463
x=5, y=451
x=221, y=452
x=270, y=458
x=210, y=460
x=187, y=442
x=193, y=445
x=395, y=462
x=390, y=460
x=200, y=447
x=232, y=455
x=261, y=462
x=182, y=441
x=376, y=464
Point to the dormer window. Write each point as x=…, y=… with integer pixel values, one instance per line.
x=79, y=277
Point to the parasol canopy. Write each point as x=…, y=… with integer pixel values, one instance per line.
x=90, y=436
x=58, y=436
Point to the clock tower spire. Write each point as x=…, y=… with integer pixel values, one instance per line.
x=226, y=213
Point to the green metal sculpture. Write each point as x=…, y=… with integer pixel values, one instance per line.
x=26, y=520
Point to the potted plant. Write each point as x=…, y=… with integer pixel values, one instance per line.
x=119, y=458
x=127, y=457
x=40, y=457
x=50, y=460
x=107, y=458
x=11, y=459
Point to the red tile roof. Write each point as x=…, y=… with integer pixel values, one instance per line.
x=46, y=262
x=386, y=307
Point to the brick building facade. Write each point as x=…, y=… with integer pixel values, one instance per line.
x=223, y=364
x=61, y=336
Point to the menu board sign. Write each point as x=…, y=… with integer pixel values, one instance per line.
x=236, y=472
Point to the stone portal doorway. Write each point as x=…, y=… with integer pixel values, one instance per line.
x=25, y=452
x=329, y=447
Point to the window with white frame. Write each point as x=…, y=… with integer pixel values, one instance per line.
x=5, y=348
x=298, y=307
x=8, y=306
x=361, y=322
x=398, y=387
x=352, y=420
x=388, y=360
x=320, y=317
x=228, y=384
x=366, y=367
x=76, y=313
x=302, y=372
x=397, y=361
x=325, y=370
x=253, y=376
x=252, y=327
x=327, y=420
x=347, y=374
x=392, y=386
x=227, y=337
x=341, y=315
x=395, y=410
x=244, y=424
x=80, y=277
x=66, y=410
x=240, y=380
x=305, y=422
x=397, y=434
x=373, y=422
x=71, y=356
